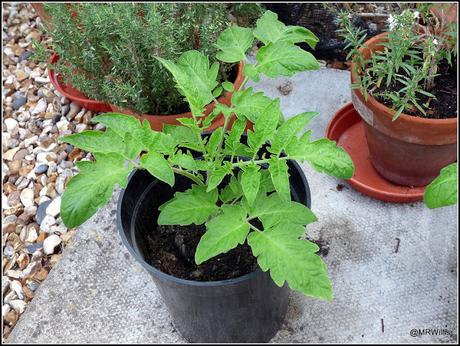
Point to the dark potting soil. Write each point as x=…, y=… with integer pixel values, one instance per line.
x=445, y=90
x=171, y=249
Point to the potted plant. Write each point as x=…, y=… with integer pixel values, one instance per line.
x=107, y=52
x=208, y=215
x=404, y=89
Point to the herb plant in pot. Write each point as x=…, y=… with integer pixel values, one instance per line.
x=217, y=219
x=108, y=53
x=404, y=88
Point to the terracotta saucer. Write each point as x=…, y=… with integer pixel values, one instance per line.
x=347, y=129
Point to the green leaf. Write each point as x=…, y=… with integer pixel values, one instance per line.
x=292, y=260
x=132, y=146
x=183, y=136
x=183, y=160
x=266, y=183
x=214, y=141
x=279, y=172
x=192, y=206
x=270, y=29
x=210, y=118
x=96, y=141
x=233, y=43
x=217, y=91
x=232, y=141
x=241, y=151
x=289, y=130
x=121, y=124
x=231, y=191
x=272, y=210
x=223, y=233
x=325, y=156
x=224, y=109
x=194, y=78
x=265, y=125
x=442, y=191
x=296, y=147
x=189, y=122
x=248, y=104
x=158, y=166
x=216, y=175
x=251, y=72
x=228, y=86
x=158, y=142
x=250, y=180
x=284, y=59
x=92, y=188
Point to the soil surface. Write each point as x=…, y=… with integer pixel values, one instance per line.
x=171, y=249
x=445, y=90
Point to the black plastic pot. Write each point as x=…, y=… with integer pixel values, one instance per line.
x=250, y=308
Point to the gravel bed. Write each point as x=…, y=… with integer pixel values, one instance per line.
x=35, y=165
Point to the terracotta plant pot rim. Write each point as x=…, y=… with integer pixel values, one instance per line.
x=237, y=83
x=386, y=110
x=78, y=97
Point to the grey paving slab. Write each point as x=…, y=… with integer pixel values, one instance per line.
x=97, y=293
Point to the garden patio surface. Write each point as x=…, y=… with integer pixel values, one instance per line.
x=98, y=293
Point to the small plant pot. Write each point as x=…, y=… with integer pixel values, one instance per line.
x=411, y=150
x=250, y=308
x=157, y=121
x=73, y=94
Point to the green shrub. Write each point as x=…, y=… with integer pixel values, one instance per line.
x=107, y=50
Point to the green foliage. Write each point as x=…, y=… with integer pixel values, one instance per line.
x=234, y=188
x=270, y=30
x=108, y=50
x=409, y=59
x=233, y=43
x=290, y=259
x=223, y=233
x=272, y=210
x=192, y=206
x=248, y=104
x=250, y=182
x=325, y=156
x=442, y=191
x=288, y=131
x=279, y=172
x=195, y=78
x=157, y=166
x=92, y=187
x=284, y=59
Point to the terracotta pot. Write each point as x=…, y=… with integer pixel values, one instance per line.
x=410, y=150
x=73, y=94
x=45, y=16
x=157, y=121
x=38, y=7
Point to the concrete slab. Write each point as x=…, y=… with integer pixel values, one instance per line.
x=97, y=293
